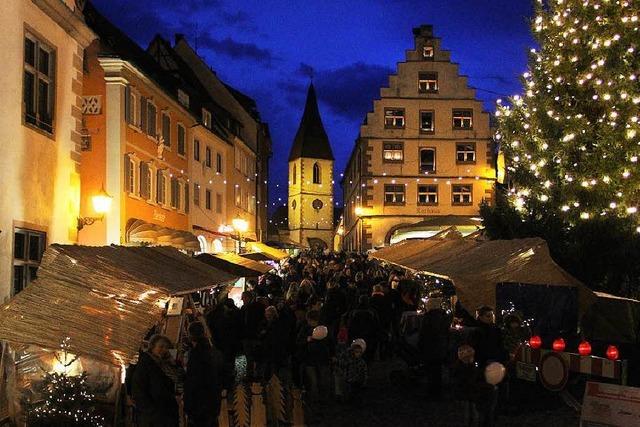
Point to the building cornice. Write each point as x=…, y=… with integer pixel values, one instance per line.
x=70, y=20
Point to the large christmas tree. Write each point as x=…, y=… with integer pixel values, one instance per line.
x=572, y=141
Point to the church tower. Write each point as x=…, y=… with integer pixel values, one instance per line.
x=311, y=180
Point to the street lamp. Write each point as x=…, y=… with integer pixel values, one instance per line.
x=101, y=204
x=241, y=226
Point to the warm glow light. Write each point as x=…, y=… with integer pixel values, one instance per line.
x=359, y=211
x=102, y=202
x=240, y=225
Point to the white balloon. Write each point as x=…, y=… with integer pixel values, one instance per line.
x=319, y=332
x=494, y=373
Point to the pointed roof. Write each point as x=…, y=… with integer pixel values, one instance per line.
x=311, y=140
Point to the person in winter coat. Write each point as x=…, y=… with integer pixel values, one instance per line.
x=251, y=318
x=381, y=304
x=434, y=343
x=224, y=324
x=469, y=385
x=488, y=338
x=274, y=349
x=152, y=388
x=317, y=357
x=202, y=384
x=363, y=323
x=353, y=370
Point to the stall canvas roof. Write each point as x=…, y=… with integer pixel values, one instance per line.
x=273, y=253
x=105, y=299
x=235, y=264
x=476, y=266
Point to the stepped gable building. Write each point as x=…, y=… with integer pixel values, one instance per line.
x=311, y=181
x=423, y=160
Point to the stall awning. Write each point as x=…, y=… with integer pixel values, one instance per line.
x=105, y=299
x=257, y=256
x=271, y=252
x=234, y=264
x=476, y=266
x=139, y=231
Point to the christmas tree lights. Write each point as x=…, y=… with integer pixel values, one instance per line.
x=572, y=141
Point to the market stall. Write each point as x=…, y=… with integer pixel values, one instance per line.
x=101, y=302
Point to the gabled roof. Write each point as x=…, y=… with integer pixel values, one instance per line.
x=311, y=140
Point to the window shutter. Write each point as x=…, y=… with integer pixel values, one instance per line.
x=143, y=114
x=127, y=173
x=186, y=197
x=159, y=188
x=127, y=104
x=144, y=189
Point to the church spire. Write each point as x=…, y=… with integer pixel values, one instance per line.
x=311, y=140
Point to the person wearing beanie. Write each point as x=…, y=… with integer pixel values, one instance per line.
x=353, y=370
x=315, y=367
x=202, y=382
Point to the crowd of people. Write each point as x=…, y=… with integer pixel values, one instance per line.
x=319, y=324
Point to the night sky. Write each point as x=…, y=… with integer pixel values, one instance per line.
x=269, y=49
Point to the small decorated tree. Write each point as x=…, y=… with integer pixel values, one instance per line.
x=66, y=399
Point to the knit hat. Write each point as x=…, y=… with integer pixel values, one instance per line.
x=319, y=333
x=360, y=343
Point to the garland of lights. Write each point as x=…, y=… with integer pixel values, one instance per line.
x=572, y=142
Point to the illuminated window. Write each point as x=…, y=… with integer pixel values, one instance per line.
x=394, y=194
x=394, y=118
x=427, y=82
x=465, y=152
x=462, y=119
x=461, y=194
x=428, y=194
x=316, y=173
x=206, y=118
x=392, y=152
x=427, y=121
x=427, y=52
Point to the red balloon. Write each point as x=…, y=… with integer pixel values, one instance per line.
x=612, y=352
x=584, y=348
x=535, y=342
x=559, y=345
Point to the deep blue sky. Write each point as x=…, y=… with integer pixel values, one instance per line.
x=268, y=48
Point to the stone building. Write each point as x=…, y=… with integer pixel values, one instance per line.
x=423, y=160
x=43, y=43
x=310, y=201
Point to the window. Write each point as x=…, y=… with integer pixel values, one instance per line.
x=462, y=119
x=218, y=203
x=394, y=118
x=392, y=152
x=206, y=118
x=428, y=194
x=207, y=151
x=295, y=174
x=207, y=201
x=316, y=173
x=218, y=162
x=394, y=194
x=427, y=52
x=236, y=157
x=161, y=188
x=185, y=207
x=237, y=196
x=183, y=98
x=166, y=129
x=427, y=122
x=461, y=194
x=28, y=247
x=152, y=129
x=182, y=135
x=131, y=107
x=129, y=174
x=427, y=160
x=145, y=181
x=427, y=82
x=465, y=152
x=39, y=84
x=196, y=194
x=175, y=193
x=196, y=150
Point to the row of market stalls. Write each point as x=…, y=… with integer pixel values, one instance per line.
x=520, y=276
x=104, y=301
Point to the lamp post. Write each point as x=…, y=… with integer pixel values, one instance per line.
x=101, y=204
x=241, y=226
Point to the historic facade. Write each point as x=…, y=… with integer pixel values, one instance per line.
x=43, y=42
x=424, y=160
x=311, y=181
